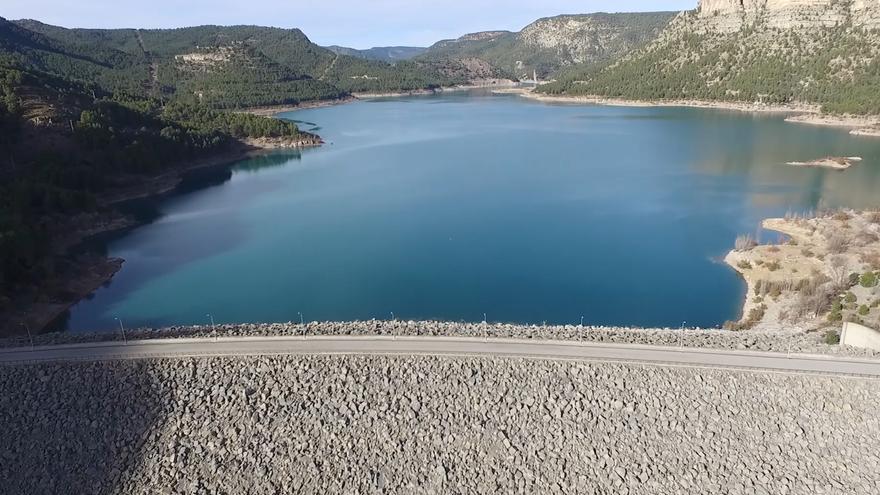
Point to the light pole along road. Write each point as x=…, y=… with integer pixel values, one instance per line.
x=443, y=346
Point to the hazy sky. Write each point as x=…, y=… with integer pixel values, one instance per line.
x=356, y=23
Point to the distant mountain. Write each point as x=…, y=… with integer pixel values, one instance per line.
x=227, y=67
x=824, y=52
x=551, y=44
x=389, y=54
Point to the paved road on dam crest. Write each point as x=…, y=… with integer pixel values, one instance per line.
x=448, y=346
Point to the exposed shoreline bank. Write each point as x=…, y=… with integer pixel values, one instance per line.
x=804, y=113
x=499, y=84
x=269, y=111
x=272, y=110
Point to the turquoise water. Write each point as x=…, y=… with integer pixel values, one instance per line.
x=452, y=206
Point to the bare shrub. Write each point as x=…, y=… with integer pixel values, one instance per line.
x=839, y=272
x=871, y=259
x=866, y=238
x=874, y=217
x=837, y=244
x=842, y=216
x=745, y=242
x=815, y=297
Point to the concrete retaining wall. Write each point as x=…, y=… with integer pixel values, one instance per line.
x=856, y=335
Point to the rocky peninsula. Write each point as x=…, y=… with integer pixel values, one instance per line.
x=825, y=269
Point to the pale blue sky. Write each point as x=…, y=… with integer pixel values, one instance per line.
x=356, y=23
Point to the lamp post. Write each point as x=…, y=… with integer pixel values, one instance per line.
x=484, y=318
x=392, y=316
x=213, y=326
x=300, y=318
x=30, y=337
x=582, y=320
x=122, y=328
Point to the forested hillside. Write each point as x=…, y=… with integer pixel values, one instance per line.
x=67, y=141
x=824, y=55
x=551, y=44
x=389, y=54
x=224, y=67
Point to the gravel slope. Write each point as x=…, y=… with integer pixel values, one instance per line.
x=381, y=424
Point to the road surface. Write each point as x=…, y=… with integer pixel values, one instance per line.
x=455, y=346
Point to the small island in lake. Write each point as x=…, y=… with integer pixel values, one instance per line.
x=833, y=162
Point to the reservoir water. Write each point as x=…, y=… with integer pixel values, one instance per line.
x=452, y=206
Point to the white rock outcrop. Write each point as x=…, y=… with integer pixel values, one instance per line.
x=733, y=15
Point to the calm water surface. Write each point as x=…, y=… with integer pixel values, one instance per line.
x=453, y=206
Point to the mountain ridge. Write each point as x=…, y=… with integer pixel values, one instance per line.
x=821, y=52
x=551, y=44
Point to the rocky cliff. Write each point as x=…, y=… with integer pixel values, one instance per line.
x=550, y=44
x=733, y=15
x=824, y=52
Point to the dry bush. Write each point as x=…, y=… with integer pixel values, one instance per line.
x=837, y=244
x=873, y=217
x=744, y=242
x=842, y=216
x=839, y=272
x=815, y=297
x=871, y=259
x=866, y=238
x=773, y=249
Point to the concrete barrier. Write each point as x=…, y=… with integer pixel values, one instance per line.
x=856, y=335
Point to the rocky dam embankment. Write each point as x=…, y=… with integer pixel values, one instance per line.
x=383, y=424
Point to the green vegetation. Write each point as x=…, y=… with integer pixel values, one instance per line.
x=388, y=54
x=223, y=67
x=864, y=310
x=836, y=67
x=868, y=279
x=832, y=337
x=87, y=112
x=63, y=144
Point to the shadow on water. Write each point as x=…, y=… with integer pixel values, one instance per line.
x=76, y=427
x=218, y=234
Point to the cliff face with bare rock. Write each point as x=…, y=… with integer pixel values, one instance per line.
x=733, y=15
x=817, y=52
x=550, y=44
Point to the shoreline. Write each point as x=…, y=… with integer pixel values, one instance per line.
x=90, y=271
x=801, y=280
x=806, y=114
x=272, y=110
x=499, y=84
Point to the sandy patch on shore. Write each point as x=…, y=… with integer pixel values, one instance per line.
x=832, y=162
x=860, y=125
